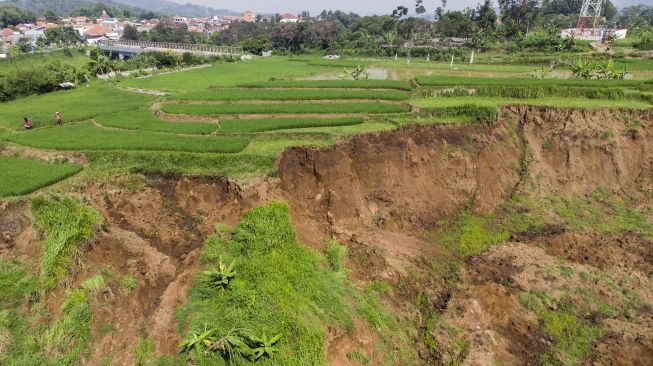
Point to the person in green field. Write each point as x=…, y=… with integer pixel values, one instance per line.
x=57, y=117
x=28, y=123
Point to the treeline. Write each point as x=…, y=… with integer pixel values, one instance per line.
x=29, y=80
x=11, y=15
x=13, y=12
x=512, y=25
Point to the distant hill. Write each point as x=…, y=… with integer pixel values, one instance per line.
x=67, y=7
x=172, y=8
x=118, y=7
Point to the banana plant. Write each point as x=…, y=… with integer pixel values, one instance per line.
x=220, y=276
x=232, y=346
x=359, y=73
x=199, y=343
x=264, y=346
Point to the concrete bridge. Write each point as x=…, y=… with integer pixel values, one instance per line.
x=126, y=49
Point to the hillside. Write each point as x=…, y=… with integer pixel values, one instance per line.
x=67, y=7
x=127, y=8
x=170, y=7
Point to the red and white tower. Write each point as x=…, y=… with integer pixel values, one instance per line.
x=590, y=14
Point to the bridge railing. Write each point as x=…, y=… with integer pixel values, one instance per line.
x=173, y=46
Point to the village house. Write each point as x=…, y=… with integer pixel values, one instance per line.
x=99, y=33
x=249, y=16
x=289, y=18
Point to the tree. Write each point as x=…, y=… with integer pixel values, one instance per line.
x=11, y=15
x=50, y=16
x=256, y=45
x=400, y=12
x=518, y=15
x=63, y=35
x=130, y=33
x=419, y=7
x=456, y=24
x=485, y=17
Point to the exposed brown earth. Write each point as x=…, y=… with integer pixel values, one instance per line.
x=379, y=194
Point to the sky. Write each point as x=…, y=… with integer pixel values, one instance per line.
x=363, y=7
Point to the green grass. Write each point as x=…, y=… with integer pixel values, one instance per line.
x=262, y=125
x=332, y=84
x=226, y=75
x=474, y=235
x=86, y=136
x=31, y=338
x=367, y=127
x=241, y=166
x=280, y=287
x=283, y=108
x=272, y=146
x=66, y=224
x=79, y=104
x=562, y=322
x=23, y=176
x=143, y=119
x=233, y=94
x=445, y=80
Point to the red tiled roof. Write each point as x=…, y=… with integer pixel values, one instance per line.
x=97, y=31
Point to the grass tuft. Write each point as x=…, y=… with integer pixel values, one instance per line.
x=66, y=224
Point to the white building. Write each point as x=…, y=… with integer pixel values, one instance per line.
x=595, y=34
x=289, y=18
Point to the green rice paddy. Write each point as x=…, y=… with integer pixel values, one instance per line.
x=262, y=125
x=233, y=94
x=86, y=136
x=284, y=108
x=144, y=119
x=22, y=176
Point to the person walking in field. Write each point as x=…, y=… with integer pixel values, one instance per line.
x=57, y=116
x=28, y=124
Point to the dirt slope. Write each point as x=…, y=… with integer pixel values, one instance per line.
x=379, y=193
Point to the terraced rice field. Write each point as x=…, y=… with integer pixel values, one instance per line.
x=23, y=176
x=236, y=117
x=144, y=119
